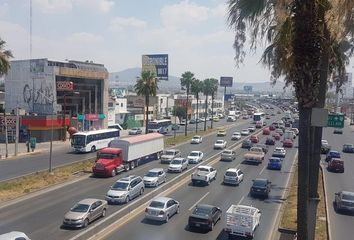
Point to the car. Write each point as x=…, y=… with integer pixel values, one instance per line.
x=161, y=209
x=332, y=154
x=233, y=176
x=271, y=127
x=135, y=131
x=279, y=131
x=245, y=117
x=178, y=165
x=170, y=154
x=220, y=144
x=14, y=235
x=154, y=177
x=231, y=119
x=175, y=127
x=183, y=122
x=344, y=201
x=260, y=188
x=276, y=136
x=274, y=163
x=204, y=174
x=204, y=216
x=247, y=144
x=125, y=189
x=216, y=118
x=197, y=139
x=325, y=147
x=84, y=212
x=195, y=157
x=251, y=129
x=263, y=146
x=267, y=117
x=337, y=131
x=254, y=139
x=288, y=143
x=221, y=132
x=259, y=124
x=266, y=131
x=245, y=132
x=336, y=165
x=228, y=155
x=295, y=130
x=236, y=136
x=270, y=141
x=348, y=148
x=279, y=152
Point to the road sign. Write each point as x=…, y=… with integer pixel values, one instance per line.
x=335, y=120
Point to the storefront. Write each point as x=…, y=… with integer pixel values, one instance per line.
x=87, y=122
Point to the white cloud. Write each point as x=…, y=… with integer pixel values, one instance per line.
x=119, y=24
x=103, y=6
x=4, y=8
x=84, y=38
x=183, y=14
x=53, y=6
x=220, y=10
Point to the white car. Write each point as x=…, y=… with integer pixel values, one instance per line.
x=204, y=174
x=233, y=176
x=245, y=132
x=195, y=157
x=14, y=235
x=236, y=136
x=220, y=144
x=154, y=177
x=279, y=152
x=178, y=165
x=251, y=129
x=197, y=139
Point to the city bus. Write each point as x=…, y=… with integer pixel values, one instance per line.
x=91, y=141
x=258, y=117
x=160, y=126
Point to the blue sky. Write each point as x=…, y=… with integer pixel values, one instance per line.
x=117, y=32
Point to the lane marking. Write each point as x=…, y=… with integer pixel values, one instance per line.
x=201, y=199
x=243, y=197
x=260, y=173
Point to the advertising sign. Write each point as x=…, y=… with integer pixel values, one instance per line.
x=226, y=81
x=229, y=97
x=157, y=64
x=65, y=86
x=247, y=88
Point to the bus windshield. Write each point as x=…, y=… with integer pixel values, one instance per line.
x=78, y=140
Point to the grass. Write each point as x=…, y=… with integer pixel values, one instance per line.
x=288, y=220
x=171, y=141
x=18, y=187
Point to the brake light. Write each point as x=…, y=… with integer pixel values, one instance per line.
x=248, y=234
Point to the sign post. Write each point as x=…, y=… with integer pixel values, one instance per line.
x=226, y=82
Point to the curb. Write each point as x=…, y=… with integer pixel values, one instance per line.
x=13, y=157
x=326, y=203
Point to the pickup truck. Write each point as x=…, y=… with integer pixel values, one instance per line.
x=204, y=174
x=256, y=155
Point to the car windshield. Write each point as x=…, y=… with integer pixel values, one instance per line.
x=156, y=204
x=335, y=154
x=176, y=161
x=196, y=137
x=194, y=154
x=107, y=156
x=78, y=140
x=120, y=186
x=80, y=208
x=273, y=160
x=348, y=145
x=152, y=174
x=230, y=174
x=202, y=211
x=259, y=183
x=235, y=134
x=169, y=153
x=203, y=169
x=227, y=152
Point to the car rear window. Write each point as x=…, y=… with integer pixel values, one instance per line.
x=201, y=211
x=156, y=204
x=231, y=174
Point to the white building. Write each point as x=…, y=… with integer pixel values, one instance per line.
x=117, y=110
x=165, y=104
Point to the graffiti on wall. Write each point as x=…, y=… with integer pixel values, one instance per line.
x=40, y=96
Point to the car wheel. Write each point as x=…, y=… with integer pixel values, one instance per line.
x=156, y=184
x=113, y=173
x=93, y=149
x=167, y=218
x=141, y=191
x=103, y=213
x=211, y=226
x=127, y=199
x=86, y=223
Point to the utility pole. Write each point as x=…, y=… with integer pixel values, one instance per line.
x=17, y=130
x=6, y=137
x=51, y=138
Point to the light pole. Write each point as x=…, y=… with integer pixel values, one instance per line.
x=51, y=138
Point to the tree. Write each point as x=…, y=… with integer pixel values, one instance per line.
x=186, y=82
x=180, y=112
x=213, y=90
x=196, y=89
x=146, y=86
x=207, y=91
x=5, y=56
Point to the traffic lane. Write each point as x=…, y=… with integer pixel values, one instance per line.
x=215, y=194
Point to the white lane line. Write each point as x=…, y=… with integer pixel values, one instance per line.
x=260, y=173
x=201, y=199
x=243, y=197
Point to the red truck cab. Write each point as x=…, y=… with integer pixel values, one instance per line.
x=109, y=162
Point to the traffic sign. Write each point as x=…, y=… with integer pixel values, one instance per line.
x=335, y=120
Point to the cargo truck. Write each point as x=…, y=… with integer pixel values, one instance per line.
x=128, y=153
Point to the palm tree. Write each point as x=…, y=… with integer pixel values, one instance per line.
x=207, y=91
x=5, y=56
x=196, y=89
x=146, y=86
x=213, y=90
x=186, y=82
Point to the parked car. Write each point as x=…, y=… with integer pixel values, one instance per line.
x=260, y=188
x=338, y=131
x=204, y=216
x=14, y=235
x=220, y=144
x=325, y=147
x=154, y=177
x=84, y=212
x=228, y=155
x=332, y=154
x=236, y=136
x=344, y=201
x=288, y=143
x=247, y=144
x=270, y=141
x=348, y=148
x=204, y=174
x=336, y=165
x=168, y=155
x=161, y=209
x=135, y=131
x=279, y=152
x=195, y=157
x=197, y=139
x=245, y=132
x=266, y=131
x=254, y=139
x=274, y=163
x=251, y=129
x=125, y=189
x=233, y=176
x=178, y=165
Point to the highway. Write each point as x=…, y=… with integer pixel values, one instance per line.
x=340, y=225
x=41, y=216
x=20, y=166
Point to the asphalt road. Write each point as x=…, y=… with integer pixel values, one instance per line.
x=340, y=225
x=41, y=216
x=23, y=165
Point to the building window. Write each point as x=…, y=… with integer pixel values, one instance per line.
x=121, y=104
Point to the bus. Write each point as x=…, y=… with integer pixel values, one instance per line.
x=258, y=117
x=91, y=141
x=160, y=126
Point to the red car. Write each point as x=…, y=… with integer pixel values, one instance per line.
x=259, y=125
x=266, y=131
x=254, y=139
x=288, y=143
x=276, y=136
x=271, y=127
x=336, y=165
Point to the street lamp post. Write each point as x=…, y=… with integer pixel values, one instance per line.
x=51, y=138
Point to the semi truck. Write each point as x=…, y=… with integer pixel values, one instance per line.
x=128, y=153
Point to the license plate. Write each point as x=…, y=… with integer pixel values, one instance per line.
x=197, y=225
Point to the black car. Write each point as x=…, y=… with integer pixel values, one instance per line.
x=344, y=201
x=260, y=188
x=263, y=146
x=204, y=216
x=348, y=148
x=270, y=141
x=337, y=131
x=247, y=144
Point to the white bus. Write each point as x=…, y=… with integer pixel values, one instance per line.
x=258, y=117
x=160, y=126
x=93, y=140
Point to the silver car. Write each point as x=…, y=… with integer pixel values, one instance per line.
x=195, y=157
x=228, y=155
x=84, y=212
x=169, y=155
x=161, y=209
x=344, y=201
x=178, y=165
x=233, y=176
x=154, y=177
x=125, y=189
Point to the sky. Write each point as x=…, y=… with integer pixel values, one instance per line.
x=194, y=33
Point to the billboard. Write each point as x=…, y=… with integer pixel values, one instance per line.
x=247, y=88
x=156, y=63
x=228, y=97
x=226, y=81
